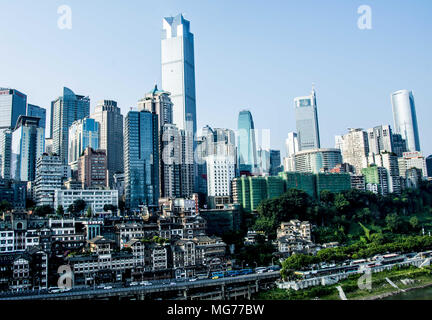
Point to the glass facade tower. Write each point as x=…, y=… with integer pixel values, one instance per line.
x=28, y=144
x=405, y=118
x=307, y=122
x=64, y=111
x=178, y=70
x=12, y=105
x=141, y=155
x=38, y=112
x=246, y=142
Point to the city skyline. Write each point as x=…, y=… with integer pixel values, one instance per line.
x=364, y=53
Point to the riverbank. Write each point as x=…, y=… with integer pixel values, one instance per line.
x=398, y=292
x=380, y=288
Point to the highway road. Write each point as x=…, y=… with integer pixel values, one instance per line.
x=154, y=287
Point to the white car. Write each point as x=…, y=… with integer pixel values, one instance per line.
x=108, y=288
x=173, y=284
x=193, y=279
x=145, y=283
x=132, y=284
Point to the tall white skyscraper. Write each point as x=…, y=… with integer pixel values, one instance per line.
x=405, y=118
x=292, y=148
x=178, y=69
x=307, y=122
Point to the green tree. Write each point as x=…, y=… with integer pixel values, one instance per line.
x=393, y=222
x=89, y=212
x=43, y=211
x=77, y=207
x=5, y=206
x=414, y=222
x=60, y=210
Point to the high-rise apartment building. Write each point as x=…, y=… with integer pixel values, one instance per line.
x=389, y=161
x=64, y=111
x=51, y=172
x=307, y=122
x=141, y=156
x=412, y=160
x=246, y=145
x=110, y=120
x=405, y=118
x=28, y=144
x=376, y=179
x=355, y=149
x=220, y=173
x=92, y=168
x=83, y=133
x=380, y=139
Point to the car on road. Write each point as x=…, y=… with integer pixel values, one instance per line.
x=173, y=284
x=261, y=270
x=145, y=283
x=193, y=279
x=108, y=288
x=133, y=284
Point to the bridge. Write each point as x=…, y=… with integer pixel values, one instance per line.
x=240, y=287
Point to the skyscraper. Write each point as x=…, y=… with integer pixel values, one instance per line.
x=263, y=161
x=246, y=146
x=380, y=139
x=28, y=144
x=275, y=162
x=307, y=122
x=5, y=153
x=107, y=113
x=141, y=159
x=12, y=105
x=292, y=147
x=170, y=162
x=64, y=111
x=83, y=133
x=178, y=69
x=38, y=112
x=355, y=148
x=159, y=102
x=405, y=118
x=92, y=168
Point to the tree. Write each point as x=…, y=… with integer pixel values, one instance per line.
x=89, y=212
x=43, y=211
x=30, y=204
x=110, y=207
x=77, y=207
x=414, y=222
x=60, y=210
x=5, y=206
x=393, y=222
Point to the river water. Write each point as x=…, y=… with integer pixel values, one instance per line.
x=419, y=294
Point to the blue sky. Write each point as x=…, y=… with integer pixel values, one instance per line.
x=250, y=54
